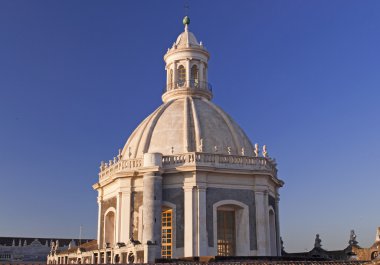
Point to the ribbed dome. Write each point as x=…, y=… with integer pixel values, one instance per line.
x=186, y=38
x=187, y=124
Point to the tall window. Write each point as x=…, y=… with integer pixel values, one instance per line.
x=226, y=232
x=109, y=228
x=167, y=234
x=181, y=75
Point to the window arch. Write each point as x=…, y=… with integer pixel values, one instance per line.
x=194, y=75
x=181, y=75
x=109, y=226
x=272, y=232
x=234, y=240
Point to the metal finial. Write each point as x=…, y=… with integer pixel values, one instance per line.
x=186, y=20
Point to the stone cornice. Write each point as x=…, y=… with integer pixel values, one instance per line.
x=192, y=161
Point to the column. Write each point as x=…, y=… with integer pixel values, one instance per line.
x=175, y=78
x=188, y=72
x=262, y=222
x=99, y=236
x=152, y=199
x=201, y=228
x=202, y=78
x=189, y=221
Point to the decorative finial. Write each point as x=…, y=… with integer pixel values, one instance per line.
x=186, y=20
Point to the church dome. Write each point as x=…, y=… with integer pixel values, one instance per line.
x=187, y=121
x=184, y=125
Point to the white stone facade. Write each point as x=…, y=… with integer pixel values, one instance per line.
x=188, y=182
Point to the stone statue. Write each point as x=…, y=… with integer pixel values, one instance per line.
x=257, y=151
x=200, y=147
x=318, y=241
x=352, y=241
x=265, y=152
x=242, y=151
x=215, y=149
x=102, y=165
x=282, y=245
x=119, y=155
x=229, y=150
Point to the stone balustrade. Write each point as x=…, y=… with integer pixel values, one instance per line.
x=193, y=159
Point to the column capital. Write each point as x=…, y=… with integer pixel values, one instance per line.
x=188, y=188
x=261, y=189
x=201, y=188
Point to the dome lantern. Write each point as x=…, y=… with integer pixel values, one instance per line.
x=186, y=67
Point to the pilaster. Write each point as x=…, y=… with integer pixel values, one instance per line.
x=189, y=221
x=261, y=199
x=278, y=245
x=117, y=217
x=100, y=201
x=202, y=244
x=125, y=218
x=188, y=76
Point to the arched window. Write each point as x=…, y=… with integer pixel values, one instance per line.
x=109, y=228
x=272, y=233
x=226, y=231
x=194, y=76
x=231, y=228
x=181, y=75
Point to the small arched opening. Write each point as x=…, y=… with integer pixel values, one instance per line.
x=109, y=228
x=181, y=76
x=194, y=76
x=272, y=232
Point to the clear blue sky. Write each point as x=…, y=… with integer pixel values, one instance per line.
x=303, y=77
